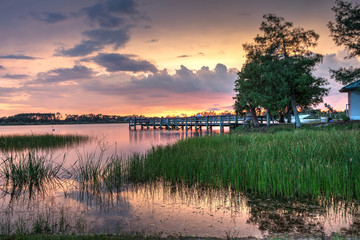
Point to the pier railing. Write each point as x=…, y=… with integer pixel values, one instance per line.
x=187, y=123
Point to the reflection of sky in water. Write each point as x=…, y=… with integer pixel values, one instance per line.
x=113, y=138
x=165, y=209
x=187, y=211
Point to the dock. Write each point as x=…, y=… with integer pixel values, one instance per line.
x=187, y=123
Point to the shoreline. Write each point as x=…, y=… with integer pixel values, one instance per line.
x=58, y=123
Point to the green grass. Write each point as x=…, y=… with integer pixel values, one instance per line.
x=30, y=172
x=21, y=142
x=98, y=175
x=303, y=163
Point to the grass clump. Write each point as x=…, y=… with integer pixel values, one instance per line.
x=96, y=174
x=32, y=172
x=21, y=142
x=304, y=163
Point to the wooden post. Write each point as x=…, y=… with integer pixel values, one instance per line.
x=207, y=123
x=195, y=124
x=221, y=125
x=186, y=125
x=135, y=123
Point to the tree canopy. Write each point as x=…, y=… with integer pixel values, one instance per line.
x=345, y=31
x=278, y=69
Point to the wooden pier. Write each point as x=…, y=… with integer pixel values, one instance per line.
x=187, y=123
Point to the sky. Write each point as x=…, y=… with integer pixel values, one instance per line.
x=149, y=57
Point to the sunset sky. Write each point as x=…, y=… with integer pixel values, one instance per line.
x=150, y=57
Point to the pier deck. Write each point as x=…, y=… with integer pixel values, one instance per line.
x=188, y=123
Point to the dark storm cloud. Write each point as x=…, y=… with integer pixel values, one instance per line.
x=112, y=21
x=22, y=57
x=99, y=38
x=65, y=74
x=50, y=17
x=111, y=12
x=114, y=62
x=106, y=37
x=15, y=76
x=220, y=79
x=184, y=80
x=203, y=81
x=82, y=49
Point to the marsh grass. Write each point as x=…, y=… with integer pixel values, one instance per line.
x=31, y=172
x=307, y=163
x=25, y=142
x=97, y=174
x=49, y=221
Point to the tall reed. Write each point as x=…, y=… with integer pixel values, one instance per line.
x=299, y=163
x=21, y=142
x=96, y=174
x=29, y=172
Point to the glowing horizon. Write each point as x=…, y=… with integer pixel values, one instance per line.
x=126, y=57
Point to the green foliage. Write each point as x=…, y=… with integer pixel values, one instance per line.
x=308, y=163
x=346, y=31
x=345, y=75
x=21, y=142
x=96, y=174
x=30, y=172
x=278, y=69
x=346, y=118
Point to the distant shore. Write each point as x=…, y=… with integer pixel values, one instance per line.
x=56, y=123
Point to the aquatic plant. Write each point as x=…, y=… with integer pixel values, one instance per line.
x=31, y=172
x=21, y=142
x=48, y=222
x=299, y=163
x=95, y=174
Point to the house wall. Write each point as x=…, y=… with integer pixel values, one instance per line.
x=354, y=100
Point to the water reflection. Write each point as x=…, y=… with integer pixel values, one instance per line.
x=169, y=209
x=157, y=135
x=177, y=209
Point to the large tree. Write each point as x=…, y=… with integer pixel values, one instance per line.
x=287, y=68
x=293, y=47
x=346, y=31
x=259, y=84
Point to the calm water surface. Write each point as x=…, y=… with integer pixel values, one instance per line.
x=161, y=208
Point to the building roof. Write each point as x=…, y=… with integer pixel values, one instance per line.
x=351, y=87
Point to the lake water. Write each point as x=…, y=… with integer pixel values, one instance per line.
x=161, y=208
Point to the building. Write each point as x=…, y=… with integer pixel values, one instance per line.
x=353, y=105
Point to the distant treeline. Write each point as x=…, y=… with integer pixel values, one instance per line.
x=57, y=118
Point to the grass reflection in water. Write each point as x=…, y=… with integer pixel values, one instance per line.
x=287, y=182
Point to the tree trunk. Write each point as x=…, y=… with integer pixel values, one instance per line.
x=282, y=118
x=254, y=118
x=296, y=115
x=289, y=113
x=267, y=118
